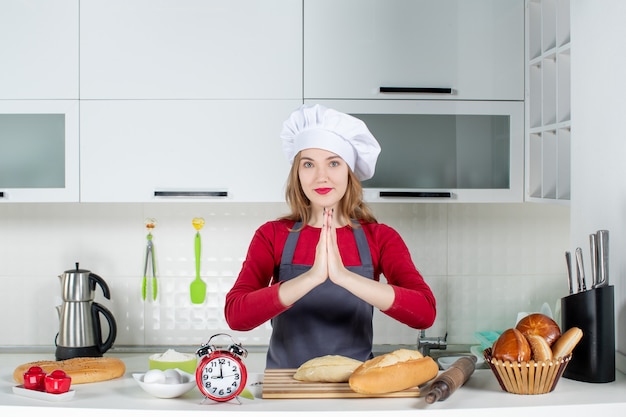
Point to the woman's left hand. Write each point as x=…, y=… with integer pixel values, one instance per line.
x=336, y=269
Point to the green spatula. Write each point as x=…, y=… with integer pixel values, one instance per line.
x=197, y=288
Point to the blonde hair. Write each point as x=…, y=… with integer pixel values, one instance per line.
x=351, y=205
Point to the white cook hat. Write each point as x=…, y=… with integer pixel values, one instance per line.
x=316, y=126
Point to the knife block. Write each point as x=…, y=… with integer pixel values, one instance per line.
x=593, y=311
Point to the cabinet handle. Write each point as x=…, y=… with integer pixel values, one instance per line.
x=191, y=193
x=423, y=90
x=1, y=194
x=416, y=194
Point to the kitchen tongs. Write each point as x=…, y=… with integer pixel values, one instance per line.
x=150, y=224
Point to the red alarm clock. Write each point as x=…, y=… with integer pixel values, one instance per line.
x=221, y=374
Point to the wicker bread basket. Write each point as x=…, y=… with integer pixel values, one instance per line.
x=527, y=377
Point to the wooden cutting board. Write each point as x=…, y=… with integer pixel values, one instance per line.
x=279, y=384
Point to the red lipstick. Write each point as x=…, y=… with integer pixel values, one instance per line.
x=323, y=190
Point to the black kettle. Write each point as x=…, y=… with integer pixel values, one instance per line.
x=80, y=329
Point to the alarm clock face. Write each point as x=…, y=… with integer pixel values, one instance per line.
x=221, y=377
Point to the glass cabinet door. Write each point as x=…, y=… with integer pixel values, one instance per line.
x=38, y=151
x=466, y=151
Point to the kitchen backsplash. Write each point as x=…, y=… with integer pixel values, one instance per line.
x=484, y=262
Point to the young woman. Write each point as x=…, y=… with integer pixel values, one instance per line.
x=315, y=273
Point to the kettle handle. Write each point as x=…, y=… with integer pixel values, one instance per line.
x=96, y=279
x=96, y=310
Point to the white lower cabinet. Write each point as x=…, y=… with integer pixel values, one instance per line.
x=183, y=150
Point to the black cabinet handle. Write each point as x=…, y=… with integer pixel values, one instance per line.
x=191, y=193
x=420, y=90
x=416, y=194
x=1, y=194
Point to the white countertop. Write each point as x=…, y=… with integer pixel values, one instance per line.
x=480, y=396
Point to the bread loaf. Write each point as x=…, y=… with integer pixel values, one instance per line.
x=392, y=372
x=81, y=370
x=539, y=348
x=329, y=368
x=511, y=346
x=541, y=325
x=565, y=344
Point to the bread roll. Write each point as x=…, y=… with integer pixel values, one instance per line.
x=81, y=370
x=541, y=325
x=511, y=346
x=565, y=344
x=539, y=348
x=329, y=368
x=393, y=372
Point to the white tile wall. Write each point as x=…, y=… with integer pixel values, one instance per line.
x=484, y=262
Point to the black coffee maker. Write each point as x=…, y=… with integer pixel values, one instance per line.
x=80, y=329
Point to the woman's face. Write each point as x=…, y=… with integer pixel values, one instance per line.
x=323, y=177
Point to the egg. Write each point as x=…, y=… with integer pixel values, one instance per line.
x=154, y=376
x=172, y=377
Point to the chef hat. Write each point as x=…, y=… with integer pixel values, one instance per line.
x=315, y=126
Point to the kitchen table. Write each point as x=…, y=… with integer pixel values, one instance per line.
x=480, y=396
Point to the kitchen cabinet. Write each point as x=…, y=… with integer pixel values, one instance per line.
x=39, y=151
x=192, y=49
x=548, y=107
x=39, y=49
x=183, y=150
x=475, y=49
x=443, y=151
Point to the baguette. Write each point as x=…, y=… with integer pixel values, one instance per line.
x=393, y=372
x=81, y=370
x=565, y=344
x=329, y=368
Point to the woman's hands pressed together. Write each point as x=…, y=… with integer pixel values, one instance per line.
x=329, y=265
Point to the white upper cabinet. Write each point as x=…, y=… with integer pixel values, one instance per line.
x=38, y=49
x=183, y=150
x=39, y=151
x=475, y=49
x=548, y=106
x=192, y=49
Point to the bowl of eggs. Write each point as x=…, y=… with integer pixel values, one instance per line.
x=170, y=383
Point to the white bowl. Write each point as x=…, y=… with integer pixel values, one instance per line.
x=446, y=361
x=168, y=390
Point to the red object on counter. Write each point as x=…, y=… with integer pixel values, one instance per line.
x=57, y=382
x=34, y=378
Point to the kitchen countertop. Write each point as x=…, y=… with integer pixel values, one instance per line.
x=481, y=395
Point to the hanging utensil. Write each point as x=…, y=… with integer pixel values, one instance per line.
x=197, y=288
x=150, y=225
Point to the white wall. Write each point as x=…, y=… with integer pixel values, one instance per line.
x=485, y=262
x=599, y=139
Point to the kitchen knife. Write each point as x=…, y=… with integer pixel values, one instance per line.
x=593, y=244
x=602, y=237
x=580, y=270
x=568, y=262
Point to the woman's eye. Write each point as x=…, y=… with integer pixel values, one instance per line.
x=334, y=163
x=307, y=164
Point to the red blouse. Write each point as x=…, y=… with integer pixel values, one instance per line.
x=253, y=299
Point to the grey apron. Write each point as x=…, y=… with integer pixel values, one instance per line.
x=329, y=320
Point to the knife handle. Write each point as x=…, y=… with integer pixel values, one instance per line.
x=603, y=257
x=580, y=270
x=593, y=245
